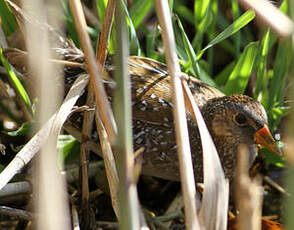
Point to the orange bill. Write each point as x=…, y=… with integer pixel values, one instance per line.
x=264, y=138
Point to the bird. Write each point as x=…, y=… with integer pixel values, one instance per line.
x=231, y=120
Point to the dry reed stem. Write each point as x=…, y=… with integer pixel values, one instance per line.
x=50, y=188
x=181, y=129
x=15, y=188
x=95, y=71
x=216, y=189
x=72, y=175
x=75, y=218
x=175, y=207
x=271, y=16
x=88, y=123
x=289, y=148
x=77, y=133
x=18, y=214
x=275, y=185
x=128, y=198
x=24, y=156
x=103, y=40
x=86, y=133
x=110, y=167
x=248, y=194
x=84, y=155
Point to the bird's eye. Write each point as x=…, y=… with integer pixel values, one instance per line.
x=240, y=119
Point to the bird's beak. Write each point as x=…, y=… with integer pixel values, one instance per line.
x=264, y=138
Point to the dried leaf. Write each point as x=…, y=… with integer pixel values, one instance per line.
x=53, y=125
x=216, y=190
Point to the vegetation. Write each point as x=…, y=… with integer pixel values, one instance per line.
x=218, y=42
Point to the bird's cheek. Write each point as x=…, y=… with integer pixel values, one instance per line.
x=221, y=128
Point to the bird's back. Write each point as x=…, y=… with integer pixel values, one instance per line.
x=153, y=126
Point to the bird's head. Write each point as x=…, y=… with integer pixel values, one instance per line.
x=238, y=119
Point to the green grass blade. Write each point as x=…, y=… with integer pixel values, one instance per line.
x=134, y=41
x=139, y=10
x=181, y=51
x=237, y=36
x=171, y=5
x=101, y=8
x=238, y=79
x=261, y=71
x=227, y=46
x=184, y=12
x=68, y=150
x=151, y=41
x=210, y=34
x=273, y=159
x=201, y=29
x=285, y=7
x=8, y=21
x=223, y=76
x=200, y=9
x=242, y=21
x=72, y=32
x=281, y=66
x=25, y=129
x=192, y=56
x=202, y=20
x=150, y=45
x=17, y=84
x=221, y=21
